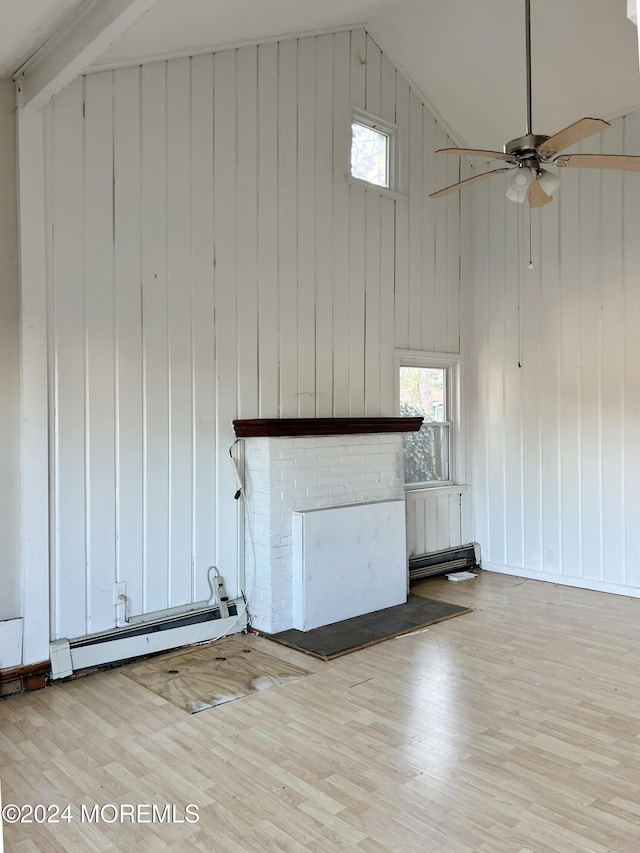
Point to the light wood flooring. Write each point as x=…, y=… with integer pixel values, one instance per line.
x=514, y=728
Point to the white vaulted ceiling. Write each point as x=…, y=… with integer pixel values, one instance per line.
x=468, y=59
x=173, y=26
x=466, y=56
x=25, y=25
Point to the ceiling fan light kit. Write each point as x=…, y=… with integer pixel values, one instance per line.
x=549, y=182
x=526, y=154
x=519, y=184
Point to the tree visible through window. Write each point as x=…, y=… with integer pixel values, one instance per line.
x=370, y=154
x=423, y=392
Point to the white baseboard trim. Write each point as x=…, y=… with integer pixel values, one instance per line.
x=10, y=643
x=562, y=580
x=116, y=648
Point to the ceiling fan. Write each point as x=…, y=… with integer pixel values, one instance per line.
x=526, y=155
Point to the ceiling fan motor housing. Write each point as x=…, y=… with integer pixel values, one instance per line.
x=524, y=148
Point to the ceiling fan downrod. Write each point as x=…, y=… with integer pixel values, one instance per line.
x=524, y=148
x=527, y=13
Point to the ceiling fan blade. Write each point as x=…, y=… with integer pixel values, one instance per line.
x=467, y=182
x=477, y=152
x=570, y=135
x=537, y=196
x=622, y=162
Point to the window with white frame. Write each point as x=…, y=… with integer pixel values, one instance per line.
x=427, y=390
x=372, y=150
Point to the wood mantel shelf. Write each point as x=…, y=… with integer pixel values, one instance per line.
x=282, y=427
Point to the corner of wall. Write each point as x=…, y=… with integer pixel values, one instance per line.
x=9, y=360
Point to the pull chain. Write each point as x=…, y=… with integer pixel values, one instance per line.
x=518, y=304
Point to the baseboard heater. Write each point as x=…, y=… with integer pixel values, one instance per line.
x=68, y=656
x=450, y=560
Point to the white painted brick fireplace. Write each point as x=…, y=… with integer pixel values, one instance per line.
x=292, y=474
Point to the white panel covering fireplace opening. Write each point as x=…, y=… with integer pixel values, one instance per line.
x=348, y=560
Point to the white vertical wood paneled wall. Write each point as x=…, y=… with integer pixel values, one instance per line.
x=209, y=261
x=10, y=595
x=557, y=441
x=438, y=519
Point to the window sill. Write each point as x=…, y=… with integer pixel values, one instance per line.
x=445, y=489
x=384, y=191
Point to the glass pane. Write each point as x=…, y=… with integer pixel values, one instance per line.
x=369, y=155
x=423, y=392
x=426, y=454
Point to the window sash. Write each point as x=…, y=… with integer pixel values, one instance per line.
x=427, y=455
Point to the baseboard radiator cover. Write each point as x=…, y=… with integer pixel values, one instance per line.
x=69, y=656
x=449, y=560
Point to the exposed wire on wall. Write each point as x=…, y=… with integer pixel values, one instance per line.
x=241, y=494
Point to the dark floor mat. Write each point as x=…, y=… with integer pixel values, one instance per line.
x=337, y=639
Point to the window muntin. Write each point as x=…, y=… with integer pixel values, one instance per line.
x=371, y=147
x=426, y=392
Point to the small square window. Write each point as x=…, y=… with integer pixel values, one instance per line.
x=371, y=153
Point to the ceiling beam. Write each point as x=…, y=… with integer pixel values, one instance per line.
x=75, y=46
